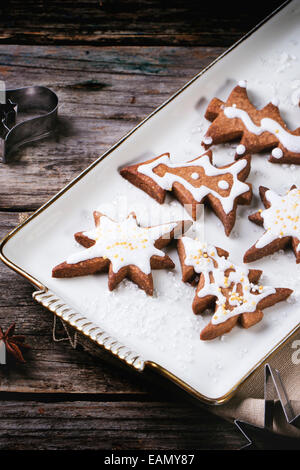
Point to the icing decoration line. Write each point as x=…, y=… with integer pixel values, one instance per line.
x=230, y=285
x=282, y=218
x=123, y=243
x=288, y=141
x=198, y=192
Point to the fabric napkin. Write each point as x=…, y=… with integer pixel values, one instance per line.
x=248, y=403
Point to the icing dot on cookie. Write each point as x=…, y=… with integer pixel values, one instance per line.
x=277, y=153
x=242, y=83
x=207, y=140
x=241, y=149
x=223, y=184
x=195, y=176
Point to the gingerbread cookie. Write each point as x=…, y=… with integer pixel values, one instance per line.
x=195, y=182
x=124, y=249
x=281, y=221
x=231, y=290
x=259, y=129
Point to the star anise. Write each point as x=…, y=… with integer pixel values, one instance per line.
x=14, y=343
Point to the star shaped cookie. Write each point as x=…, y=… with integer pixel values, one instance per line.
x=281, y=221
x=258, y=129
x=124, y=249
x=195, y=182
x=233, y=291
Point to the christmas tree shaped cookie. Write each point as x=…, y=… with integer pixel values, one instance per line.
x=124, y=249
x=232, y=291
x=195, y=182
x=281, y=221
x=258, y=129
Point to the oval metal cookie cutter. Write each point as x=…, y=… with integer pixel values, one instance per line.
x=36, y=99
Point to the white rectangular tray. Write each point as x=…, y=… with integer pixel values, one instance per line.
x=163, y=331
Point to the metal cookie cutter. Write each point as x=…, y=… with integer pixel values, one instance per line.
x=264, y=438
x=36, y=99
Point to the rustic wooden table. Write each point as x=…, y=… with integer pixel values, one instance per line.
x=111, y=63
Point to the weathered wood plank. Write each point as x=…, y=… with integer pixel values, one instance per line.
x=14, y=291
x=110, y=425
x=56, y=367
x=102, y=94
x=131, y=60
x=130, y=22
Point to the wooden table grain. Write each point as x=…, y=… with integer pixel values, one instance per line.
x=111, y=63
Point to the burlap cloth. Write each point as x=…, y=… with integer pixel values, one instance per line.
x=248, y=403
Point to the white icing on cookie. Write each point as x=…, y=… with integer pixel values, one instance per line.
x=223, y=184
x=207, y=140
x=242, y=83
x=123, y=243
x=277, y=152
x=289, y=141
x=195, y=176
x=166, y=182
x=241, y=149
x=282, y=218
x=205, y=259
